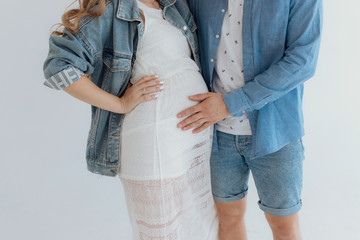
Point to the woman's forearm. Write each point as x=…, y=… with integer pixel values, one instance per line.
x=146, y=89
x=85, y=90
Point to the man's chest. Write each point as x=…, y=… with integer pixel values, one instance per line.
x=263, y=18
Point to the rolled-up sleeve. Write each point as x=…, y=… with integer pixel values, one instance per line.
x=69, y=58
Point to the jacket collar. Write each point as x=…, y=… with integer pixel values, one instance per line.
x=166, y=3
x=128, y=9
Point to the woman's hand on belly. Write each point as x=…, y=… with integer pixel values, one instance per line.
x=209, y=111
x=146, y=89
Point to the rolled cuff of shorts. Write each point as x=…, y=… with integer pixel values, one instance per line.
x=281, y=212
x=231, y=199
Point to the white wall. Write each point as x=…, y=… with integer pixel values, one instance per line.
x=47, y=193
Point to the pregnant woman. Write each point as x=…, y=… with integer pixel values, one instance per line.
x=142, y=59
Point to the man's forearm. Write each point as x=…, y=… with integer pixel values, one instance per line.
x=296, y=66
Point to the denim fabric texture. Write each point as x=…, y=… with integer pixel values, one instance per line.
x=105, y=49
x=277, y=176
x=281, y=41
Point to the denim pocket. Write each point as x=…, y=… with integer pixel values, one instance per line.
x=115, y=63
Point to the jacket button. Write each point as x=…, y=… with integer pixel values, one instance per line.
x=222, y=10
x=185, y=28
x=212, y=60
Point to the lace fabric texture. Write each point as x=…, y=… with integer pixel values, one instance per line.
x=166, y=171
x=173, y=208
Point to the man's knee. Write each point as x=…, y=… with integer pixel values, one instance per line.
x=284, y=228
x=231, y=213
x=284, y=232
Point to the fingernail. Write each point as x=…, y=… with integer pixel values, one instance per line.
x=161, y=87
x=156, y=76
x=162, y=82
x=179, y=125
x=156, y=95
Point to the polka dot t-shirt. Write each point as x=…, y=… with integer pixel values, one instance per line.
x=229, y=71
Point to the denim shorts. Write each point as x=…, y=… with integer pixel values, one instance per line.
x=277, y=176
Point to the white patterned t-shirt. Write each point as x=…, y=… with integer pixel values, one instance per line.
x=229, y=71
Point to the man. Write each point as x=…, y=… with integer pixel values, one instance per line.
x=256, y=55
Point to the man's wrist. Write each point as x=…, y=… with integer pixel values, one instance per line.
x=235, y=102
x=226, y=110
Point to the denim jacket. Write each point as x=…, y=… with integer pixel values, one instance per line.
x=281, y=40
x=105, y=48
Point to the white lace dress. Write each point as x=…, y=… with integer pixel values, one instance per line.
x=164, y=170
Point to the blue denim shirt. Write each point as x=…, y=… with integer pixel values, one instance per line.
x=280, y=49
x=105, y=49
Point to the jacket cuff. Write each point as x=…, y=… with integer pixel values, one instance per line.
x=236, y=102
x=63, y=78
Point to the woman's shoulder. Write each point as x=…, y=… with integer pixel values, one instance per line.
x=97, y=31
x=110, y=7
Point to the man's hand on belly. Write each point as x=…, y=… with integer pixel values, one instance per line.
x=209, y=111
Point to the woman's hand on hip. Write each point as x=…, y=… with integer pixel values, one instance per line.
x=146, y=89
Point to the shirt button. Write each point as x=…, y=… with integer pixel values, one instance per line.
x=222, y=10
x=212, y=60
x=217, y=36
x=185, y=28
x=243, y=111
x=266, y=103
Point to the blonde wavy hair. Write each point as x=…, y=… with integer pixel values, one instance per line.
x=71, y=18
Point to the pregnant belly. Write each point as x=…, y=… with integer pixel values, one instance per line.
x=172, y=100
x=151, y=139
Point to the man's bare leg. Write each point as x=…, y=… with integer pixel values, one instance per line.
x=231, y=219
x=284, y=228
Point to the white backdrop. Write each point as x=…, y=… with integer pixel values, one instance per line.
x=47, y=193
